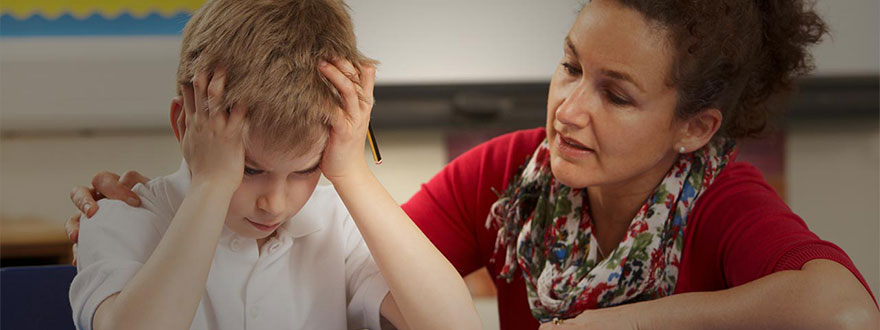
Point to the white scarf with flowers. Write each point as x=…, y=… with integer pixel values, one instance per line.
x=546, y=230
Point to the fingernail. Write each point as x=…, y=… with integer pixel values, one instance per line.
x=87, y=207
x=132, y=201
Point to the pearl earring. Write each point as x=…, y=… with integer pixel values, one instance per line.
x=681, y=150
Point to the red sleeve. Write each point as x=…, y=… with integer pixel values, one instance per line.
x=451, y=208
x=752, y=231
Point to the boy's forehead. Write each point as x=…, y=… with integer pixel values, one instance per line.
x=268, y=153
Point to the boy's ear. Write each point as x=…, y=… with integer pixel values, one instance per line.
x=178, y=117
x=699, y=129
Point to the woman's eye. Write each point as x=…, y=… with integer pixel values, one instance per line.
x=251, y=171
x=617, y=99
x=571, y=69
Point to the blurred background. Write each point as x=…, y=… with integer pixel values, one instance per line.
x=85, y=86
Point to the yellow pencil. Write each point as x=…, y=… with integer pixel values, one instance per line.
x=374, y=147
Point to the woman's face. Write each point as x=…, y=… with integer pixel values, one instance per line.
x=610, y=112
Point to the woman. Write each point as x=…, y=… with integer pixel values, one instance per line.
x=628, y=209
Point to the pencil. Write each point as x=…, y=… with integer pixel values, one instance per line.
x=374, y=147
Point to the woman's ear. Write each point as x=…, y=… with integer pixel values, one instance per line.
x=699, y=130
x=178, y=117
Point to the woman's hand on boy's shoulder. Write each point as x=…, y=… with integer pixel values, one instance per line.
x=344, y=154
x=105, y=184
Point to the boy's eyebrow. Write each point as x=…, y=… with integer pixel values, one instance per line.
x=249, y=160
x=313, y=167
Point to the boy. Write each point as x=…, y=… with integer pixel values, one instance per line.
x=271, y=94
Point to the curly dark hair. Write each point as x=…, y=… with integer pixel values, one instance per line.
x=740, y=56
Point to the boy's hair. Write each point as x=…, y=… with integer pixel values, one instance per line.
x=270, y=50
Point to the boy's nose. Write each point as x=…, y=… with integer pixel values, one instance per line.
x=272, y=202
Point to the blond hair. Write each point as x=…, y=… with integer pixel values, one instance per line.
x=271, y=49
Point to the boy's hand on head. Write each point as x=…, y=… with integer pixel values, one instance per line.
x=344, y=154
x=212, y=143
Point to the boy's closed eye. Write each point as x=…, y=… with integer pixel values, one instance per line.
x=252, y=171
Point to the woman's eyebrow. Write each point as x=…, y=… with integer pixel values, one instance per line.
x=617, y=75
x=570, y=46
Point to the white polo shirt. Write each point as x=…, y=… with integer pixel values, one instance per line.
x=315, y=273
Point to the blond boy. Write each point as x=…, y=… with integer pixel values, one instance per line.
x=270, y=95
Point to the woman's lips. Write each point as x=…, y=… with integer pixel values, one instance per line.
x=262, y=226
x=571, y=147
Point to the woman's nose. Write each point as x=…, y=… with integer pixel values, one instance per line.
x=575, y=109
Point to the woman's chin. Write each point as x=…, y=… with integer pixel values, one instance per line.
x=572, y=174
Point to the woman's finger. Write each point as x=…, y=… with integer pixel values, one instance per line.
x=131, y=178
x=107, y=184
x=84, y=200
x=72, y=227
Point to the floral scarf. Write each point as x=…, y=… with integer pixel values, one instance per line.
x=546, y=230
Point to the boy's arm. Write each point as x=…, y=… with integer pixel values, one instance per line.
x=425, y=287
x=165, y=292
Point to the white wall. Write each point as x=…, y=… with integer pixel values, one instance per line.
x=99, y=82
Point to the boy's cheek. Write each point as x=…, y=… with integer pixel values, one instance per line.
x=242, y=200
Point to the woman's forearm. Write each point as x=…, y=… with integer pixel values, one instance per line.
x=166, y=291
x=822, y=295
x=427, y=289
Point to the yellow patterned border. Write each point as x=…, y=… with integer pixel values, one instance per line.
x=22, y=9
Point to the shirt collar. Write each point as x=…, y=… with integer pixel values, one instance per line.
x=306, y=221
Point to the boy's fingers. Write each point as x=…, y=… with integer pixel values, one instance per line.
x=368, y=80
x=109, y=186
x=81, y=196
x=200, y=84
x=214, y=93
x=236, y=115
x=72, y=227
x=357, y=78
x=73, y=253
x=347, y=69
x=343, y=84
x=189, y=103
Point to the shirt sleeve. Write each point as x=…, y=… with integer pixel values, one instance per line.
x=755, y=232
x=365, y=285
x=112, y=247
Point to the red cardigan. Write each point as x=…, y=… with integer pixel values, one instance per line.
x=740, y=229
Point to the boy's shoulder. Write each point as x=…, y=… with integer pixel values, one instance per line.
x=160, y=197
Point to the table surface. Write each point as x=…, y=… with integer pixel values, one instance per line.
x=33, y=238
